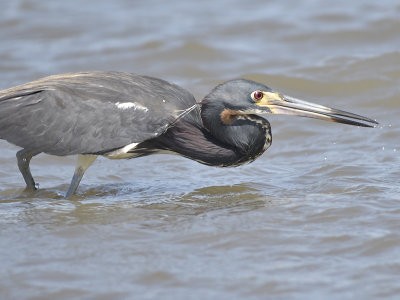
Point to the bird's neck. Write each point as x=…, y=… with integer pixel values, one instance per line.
x=247, y=135
x=208, y=140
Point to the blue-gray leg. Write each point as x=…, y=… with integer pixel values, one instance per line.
x=24, y=157
x=84, y=162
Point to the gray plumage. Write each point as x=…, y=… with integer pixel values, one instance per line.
x=90, y=112
x=121, y=115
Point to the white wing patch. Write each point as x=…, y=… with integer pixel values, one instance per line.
x=127, y=105
x=122, y=152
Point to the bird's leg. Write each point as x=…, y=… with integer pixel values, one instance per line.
x=84, y=162
x=24, y=157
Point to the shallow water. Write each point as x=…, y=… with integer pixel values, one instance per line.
x=316, y=217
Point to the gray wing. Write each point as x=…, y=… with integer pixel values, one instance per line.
x=91, y=112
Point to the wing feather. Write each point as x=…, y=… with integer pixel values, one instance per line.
x=90, y=112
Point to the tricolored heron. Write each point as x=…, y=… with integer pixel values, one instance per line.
x=121, y=115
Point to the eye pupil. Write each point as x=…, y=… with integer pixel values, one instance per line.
x=257, y=95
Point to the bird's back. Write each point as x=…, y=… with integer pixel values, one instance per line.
x=89, y=112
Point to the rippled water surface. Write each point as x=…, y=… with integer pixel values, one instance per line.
x=316, y=217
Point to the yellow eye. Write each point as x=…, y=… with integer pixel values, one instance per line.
x=257, y=95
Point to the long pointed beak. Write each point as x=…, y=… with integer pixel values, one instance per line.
x=281, y=104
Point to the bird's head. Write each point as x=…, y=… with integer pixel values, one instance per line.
x=241, y=97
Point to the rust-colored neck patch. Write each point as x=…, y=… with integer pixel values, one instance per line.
x=228, y=116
